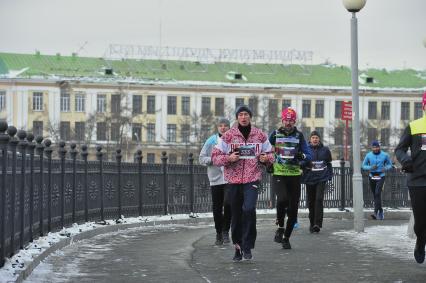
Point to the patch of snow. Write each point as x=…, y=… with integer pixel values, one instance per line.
x=390, y=240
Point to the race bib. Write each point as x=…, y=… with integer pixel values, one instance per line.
x=287, y=152
x=423, y=142
x=376, y=177
x=247, y=151
x=318, y=166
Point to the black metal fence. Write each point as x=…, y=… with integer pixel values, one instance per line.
x=40, y=194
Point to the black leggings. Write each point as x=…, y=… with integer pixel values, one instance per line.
x=418, y=202
x=221, y=208
x=287, y=189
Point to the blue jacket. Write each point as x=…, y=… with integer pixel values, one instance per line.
x=381, y=160
x=320, y=169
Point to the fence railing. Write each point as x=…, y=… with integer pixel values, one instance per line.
x=40, y=193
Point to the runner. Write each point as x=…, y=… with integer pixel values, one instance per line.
x=377, y=162
x=414, y=138
x=221, y=206
x=291, y=154
x=243, y=151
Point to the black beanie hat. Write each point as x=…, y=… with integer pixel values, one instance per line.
x=243, y=108
x=315, y=133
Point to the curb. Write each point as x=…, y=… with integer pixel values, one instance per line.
x=23, y=274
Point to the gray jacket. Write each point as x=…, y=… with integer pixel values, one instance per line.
x=215, y=173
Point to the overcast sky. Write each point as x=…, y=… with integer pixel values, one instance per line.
x=391, y=32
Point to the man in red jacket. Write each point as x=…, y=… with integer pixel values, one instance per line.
x=243, y=150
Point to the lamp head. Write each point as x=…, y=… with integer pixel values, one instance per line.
x=354, y=6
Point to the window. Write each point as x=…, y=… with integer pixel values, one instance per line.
x=171, y=105
x=38, y=128
x=205, y=106
x=338, y=109
x=150, y=132
x=115, y=131
x=385, y=115
x=80, y=102
x=150, y=158
x=171, y=132
x=101, y=103
x=37, y=101
x=65, y=131
x=286, y=103
x=253, y=105
x=372, y=110
x=150, y=104
x=115, y=103
x=186, y=107
x=185, y=132
x=101, y=131
x=405, y=110
x=137, y=104
x=80, y=131
x=137, y=132
x=172, y=158
x=2, y=100
x=219, y=106
x=372, y=135
x=65, y=101
x=319, y=109
x=306, y=109
x=239, y=102
x=385, y=137
x=418, y=112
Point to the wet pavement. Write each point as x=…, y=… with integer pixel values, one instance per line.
x=185, y=253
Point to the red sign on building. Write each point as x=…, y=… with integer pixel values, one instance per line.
x=347, y=110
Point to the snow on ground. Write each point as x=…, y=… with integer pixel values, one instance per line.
x=396, y=238
x=390, y=240
x=20, y=261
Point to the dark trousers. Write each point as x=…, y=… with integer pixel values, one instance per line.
x=287, y=189
x=243, y=198
x=315, y=194
x=221, y=208
x=418, y=203
x=376, y=187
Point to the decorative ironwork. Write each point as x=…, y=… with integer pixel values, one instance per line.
x=26, y=199
x=79, y=193
x=203, y=188
x=109, y=190
x=178, y=188
x=152, y=189
x=129, y=189
x=55, y=195
x=68, y=193
x=93, y=190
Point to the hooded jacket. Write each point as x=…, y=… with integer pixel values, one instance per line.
x=215, y=173
x=242, y=171
x=320, y=169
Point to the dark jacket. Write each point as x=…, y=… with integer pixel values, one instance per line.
x=412, y=139
x=299, y=148
x=320, y=169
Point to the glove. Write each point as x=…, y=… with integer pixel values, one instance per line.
x=408, y=168
x=300, y=156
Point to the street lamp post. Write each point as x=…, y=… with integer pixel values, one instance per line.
x=354, y=6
